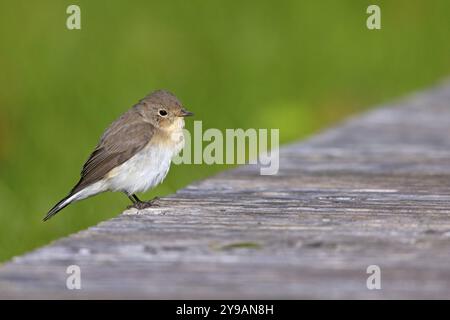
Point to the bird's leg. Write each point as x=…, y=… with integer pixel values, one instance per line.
x=132, y=198
x=139, y=204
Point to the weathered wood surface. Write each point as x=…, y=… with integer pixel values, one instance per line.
x=373, y=191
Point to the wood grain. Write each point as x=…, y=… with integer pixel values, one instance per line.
x=374, y=190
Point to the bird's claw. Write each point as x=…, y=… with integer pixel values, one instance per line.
x=145, y=204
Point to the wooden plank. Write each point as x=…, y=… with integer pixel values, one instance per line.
x=373, y=191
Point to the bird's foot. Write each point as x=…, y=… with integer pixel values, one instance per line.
x=145, y=204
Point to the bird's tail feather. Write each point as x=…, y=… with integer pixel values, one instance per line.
x=59, y=206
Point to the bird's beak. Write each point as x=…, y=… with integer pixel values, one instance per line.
x=185, y=113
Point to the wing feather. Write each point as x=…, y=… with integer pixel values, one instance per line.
x=121, y=141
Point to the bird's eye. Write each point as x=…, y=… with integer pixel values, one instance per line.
x=162, y=113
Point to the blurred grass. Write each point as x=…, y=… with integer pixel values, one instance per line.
x=294, y=65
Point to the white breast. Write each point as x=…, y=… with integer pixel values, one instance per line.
x=147, y=168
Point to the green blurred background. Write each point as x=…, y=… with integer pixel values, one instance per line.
x=295, y=65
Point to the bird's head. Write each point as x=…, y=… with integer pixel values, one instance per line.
x=162, y=109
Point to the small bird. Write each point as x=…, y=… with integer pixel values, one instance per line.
x=134, y=153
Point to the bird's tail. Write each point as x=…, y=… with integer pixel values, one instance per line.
x=59, y=206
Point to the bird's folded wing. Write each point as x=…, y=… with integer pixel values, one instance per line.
x=120, y=142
